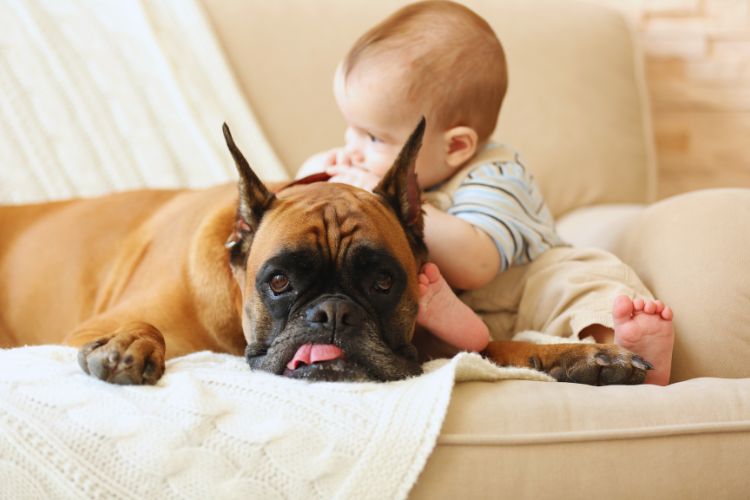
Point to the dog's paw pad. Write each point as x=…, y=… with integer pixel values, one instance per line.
x=599, y=364
x=131, y=356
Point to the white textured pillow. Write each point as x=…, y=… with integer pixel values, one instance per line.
x=107, y=96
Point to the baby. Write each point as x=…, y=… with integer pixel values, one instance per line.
x=487, y=228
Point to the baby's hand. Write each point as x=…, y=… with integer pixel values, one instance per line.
x=319, y=163
x=354, y=176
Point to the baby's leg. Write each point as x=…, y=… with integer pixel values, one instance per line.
x=445, y=316
x=645, y=328
x=570, y=290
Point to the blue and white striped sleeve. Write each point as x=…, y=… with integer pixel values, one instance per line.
x=502, y=199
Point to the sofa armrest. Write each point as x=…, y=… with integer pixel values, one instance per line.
x=692, y=251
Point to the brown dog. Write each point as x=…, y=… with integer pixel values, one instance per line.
x=316, y=281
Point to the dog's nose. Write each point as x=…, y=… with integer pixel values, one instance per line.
x=335, y=313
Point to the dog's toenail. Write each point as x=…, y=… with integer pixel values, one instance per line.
x=641, y=363
x=602, y=359
x=113, y=357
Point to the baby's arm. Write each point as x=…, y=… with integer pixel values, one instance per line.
x=511, y=223
x=466, y=255
x=318, y=163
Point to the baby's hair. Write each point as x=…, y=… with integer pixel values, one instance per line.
x=453, y=58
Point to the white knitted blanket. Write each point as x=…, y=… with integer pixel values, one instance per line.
x=211, y=428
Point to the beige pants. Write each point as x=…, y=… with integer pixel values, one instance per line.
x=560, y=293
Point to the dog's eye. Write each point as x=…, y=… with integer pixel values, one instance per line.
x=383, y=283
x=279, y=283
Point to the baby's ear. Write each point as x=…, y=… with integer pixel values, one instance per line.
x=461, y=144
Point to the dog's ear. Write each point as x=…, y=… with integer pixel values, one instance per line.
x=400, y=190
x=255, y=198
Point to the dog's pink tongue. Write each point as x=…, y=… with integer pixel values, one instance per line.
x=308, y=354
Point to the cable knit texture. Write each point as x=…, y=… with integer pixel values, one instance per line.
x=211, y=428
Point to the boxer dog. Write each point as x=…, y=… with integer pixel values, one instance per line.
x=314, y=280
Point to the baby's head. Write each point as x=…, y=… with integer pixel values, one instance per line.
x=435, y=59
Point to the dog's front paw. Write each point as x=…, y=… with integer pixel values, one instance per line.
x=132, y=355
x=599, y=364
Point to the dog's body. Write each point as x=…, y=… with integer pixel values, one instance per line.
x=317, y=281
x=69, y=268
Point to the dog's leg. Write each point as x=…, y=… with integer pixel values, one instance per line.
x=120, y=352
x=6, y=339
x=593, y=364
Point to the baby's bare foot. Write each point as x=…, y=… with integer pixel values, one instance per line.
x=445, y=316
x=645, y=328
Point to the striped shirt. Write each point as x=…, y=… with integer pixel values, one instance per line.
x=501, y=198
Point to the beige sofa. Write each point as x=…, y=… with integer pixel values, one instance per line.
x=578, y=112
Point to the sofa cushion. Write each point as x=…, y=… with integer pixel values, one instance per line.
x=576, y=108
x=521, y=439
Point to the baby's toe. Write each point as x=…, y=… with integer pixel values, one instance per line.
x=667, y=313
x=649, y=308
x=622, y=309
x=431, y=272
x=638, y=304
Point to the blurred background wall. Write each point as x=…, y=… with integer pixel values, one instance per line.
x=698, y=70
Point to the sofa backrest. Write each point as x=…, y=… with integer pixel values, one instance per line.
x=576, y=109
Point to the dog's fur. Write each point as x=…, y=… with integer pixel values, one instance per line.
x=136, y=277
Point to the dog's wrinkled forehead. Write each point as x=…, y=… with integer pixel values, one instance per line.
x=329, y=218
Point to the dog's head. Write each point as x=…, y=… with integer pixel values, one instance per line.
x=328, y=273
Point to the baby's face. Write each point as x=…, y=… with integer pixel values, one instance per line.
x=379, y=121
